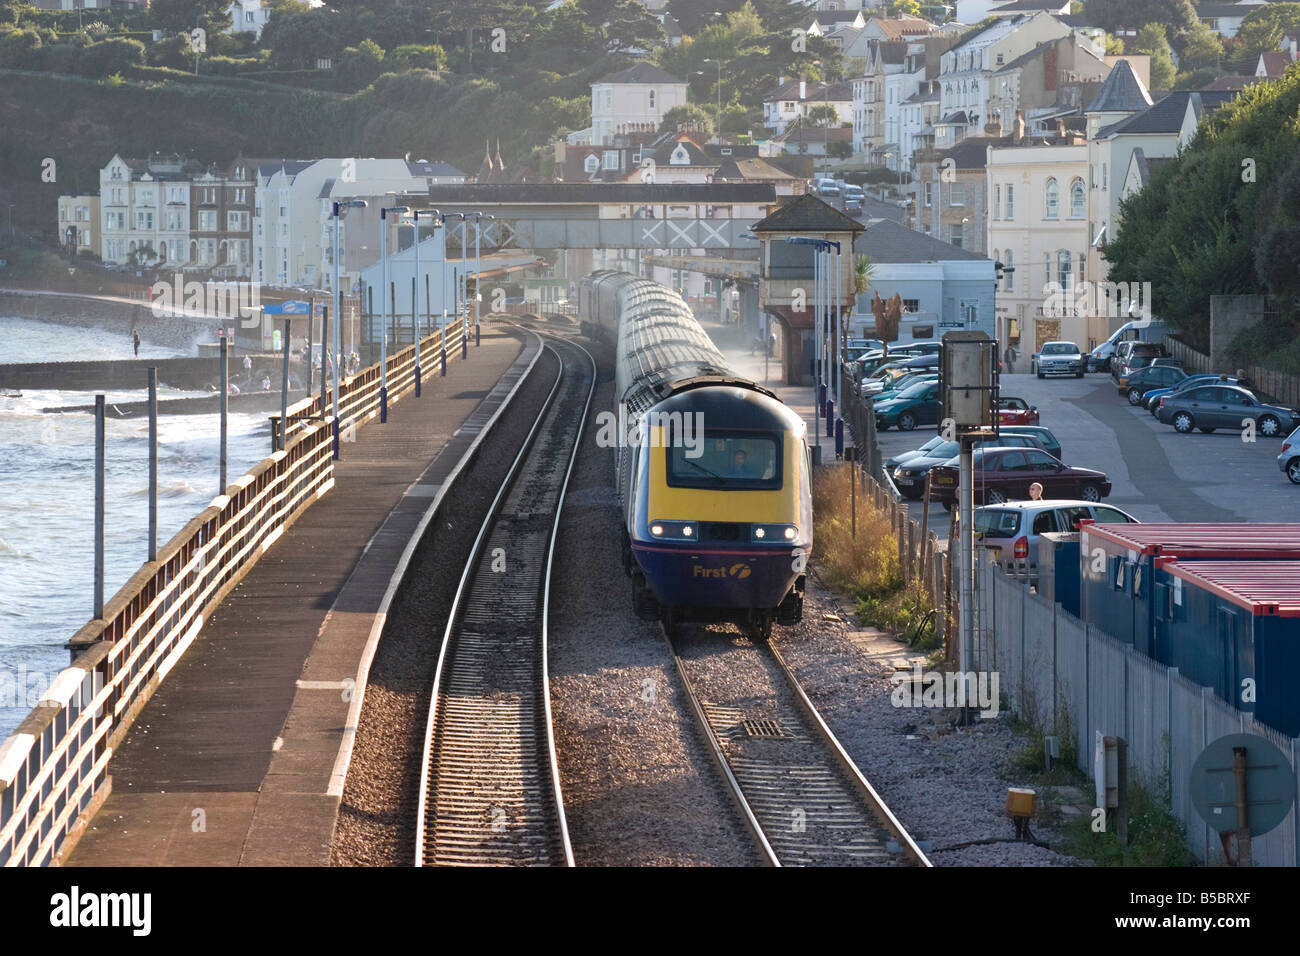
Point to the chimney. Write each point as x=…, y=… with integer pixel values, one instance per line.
x=1020, y=127
x=994, y=126
x=803, y=88
x=1060, y=127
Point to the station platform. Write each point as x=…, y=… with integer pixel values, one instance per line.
x=800, y=398
x=239, y=757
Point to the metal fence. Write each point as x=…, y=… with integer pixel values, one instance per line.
x=53, y=768
x=1282, y=388
x=1070, y=678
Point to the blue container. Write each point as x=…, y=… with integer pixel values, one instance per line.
x=1058, y=568
x=1117, y=567
x=1234, y=626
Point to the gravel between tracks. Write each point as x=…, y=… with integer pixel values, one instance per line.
x=376, y=823
x=640, y=788
x=946, y=786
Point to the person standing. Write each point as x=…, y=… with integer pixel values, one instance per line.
x=135, y=340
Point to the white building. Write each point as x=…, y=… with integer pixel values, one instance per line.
x=1038, y=224
x=248, y=16
x=1225, y=18
x=792, y=99
x=966, y=71
x=293, y=234
x=631, y=100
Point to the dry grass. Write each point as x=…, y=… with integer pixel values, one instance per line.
x=865, y=565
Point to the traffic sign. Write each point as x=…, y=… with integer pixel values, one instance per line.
x=1270, y=784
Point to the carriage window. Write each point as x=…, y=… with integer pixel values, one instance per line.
x=726, y=460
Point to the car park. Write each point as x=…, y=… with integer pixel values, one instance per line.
x=1005, y=474
x=907, y=381
x=1099, y=359
x=1044, y=436
x=1009, y=532
x=1288, y=459
x=892, y=463
x=909, y=475
x=1016, y=411
x=1224, y=406
x=1058, y=358
x=1144, y=380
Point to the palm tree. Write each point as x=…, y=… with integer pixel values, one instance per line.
x=864, y=270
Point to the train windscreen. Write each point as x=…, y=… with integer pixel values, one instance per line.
x=737, y=460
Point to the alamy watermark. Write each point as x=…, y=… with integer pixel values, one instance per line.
x=213, y=300
x=667, y=429
x=1111, y=299
x=946, y=690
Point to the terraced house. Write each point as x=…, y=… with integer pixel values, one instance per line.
x=174, y=212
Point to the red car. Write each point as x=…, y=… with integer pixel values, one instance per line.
x=1005, y=474
x=1016, y=411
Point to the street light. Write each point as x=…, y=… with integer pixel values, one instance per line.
x=415, y=291
x=718, y=114
x=478, y=268
x=383, y=306
x=339, y=206
x=463, y=288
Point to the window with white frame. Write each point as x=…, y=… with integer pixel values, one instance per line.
x=207, y=220
x=1052, y=200
x=237, y=221
x=958, y=234
x=611, y=159
x=1078, y=200
x=997, y=200
x=591, y=163
x=1009, y=276
x=957, y=194
x=144, y=220
x=1011, y=201
x=1063, y=272
x=929, y=193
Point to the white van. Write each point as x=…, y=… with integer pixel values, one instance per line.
x=1142, y=330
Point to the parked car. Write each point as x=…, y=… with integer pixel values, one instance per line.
x=1224, y=406
x=1131, y=356
x=894, y=462
x=1146, y=379
x=1099, y=359
x=893, y=389
x=1044, y=436
x=904, y=366
x=1152, y=396
x=1057, y=358
x=1004, y=474
x=1009, y=532
x=1288, y=458
x=1167, y=361
x=920, y=404
x=909, y=476
x=1016, y=411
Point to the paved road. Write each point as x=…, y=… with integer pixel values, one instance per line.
x=1158, y=475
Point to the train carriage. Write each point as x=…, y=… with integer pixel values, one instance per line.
x=712, y=469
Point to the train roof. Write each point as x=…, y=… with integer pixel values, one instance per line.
x=730, y=404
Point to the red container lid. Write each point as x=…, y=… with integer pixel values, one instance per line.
x=1205, y=538
x=1265, y=588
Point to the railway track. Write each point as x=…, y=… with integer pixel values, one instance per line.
x=802, y=798
x=489, y=784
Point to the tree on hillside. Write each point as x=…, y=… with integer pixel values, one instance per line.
x=909, y=8
x=184, y=15
x=690, y=115
x=694, y=15
x=1203, y=49
x=1178, y=16
x=297, y=40
x=1204, y=223
x=1263, y=28
x=1151, y=41
x=622, y=26
x=470, y=24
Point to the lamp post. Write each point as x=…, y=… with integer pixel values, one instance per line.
x=339, y=206
x=717, y=117
x=463, y=287
x=443, y=296
x=383, y=306
x=415, y=290
x=478, y=268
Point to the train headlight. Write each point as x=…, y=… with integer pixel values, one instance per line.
x=760, y=533
x=789, y=533
x=773, y=532
x=681, y=530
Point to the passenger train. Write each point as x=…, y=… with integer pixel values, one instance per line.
x=712, y=470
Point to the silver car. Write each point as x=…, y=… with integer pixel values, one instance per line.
x=1058, y=358
x=1009, y=532
x=1288, y=458
x=1224, y=406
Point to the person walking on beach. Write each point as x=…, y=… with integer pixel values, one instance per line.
x=135, y=340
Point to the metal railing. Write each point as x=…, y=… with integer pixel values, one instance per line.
x=54, y=766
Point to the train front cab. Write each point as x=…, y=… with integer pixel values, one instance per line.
x=720, y=518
